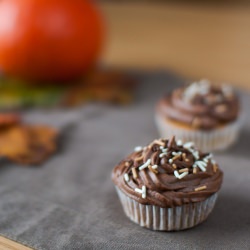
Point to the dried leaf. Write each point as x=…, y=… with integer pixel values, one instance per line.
x=28, y=144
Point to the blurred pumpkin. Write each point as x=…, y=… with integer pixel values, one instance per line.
x=49, y=39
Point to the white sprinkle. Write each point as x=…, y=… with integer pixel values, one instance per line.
x=205, y=82
x=161, y=147
x=154, y=166
x=179, y=143
x=209, y=156
x=162, y=155
x=202, y=168
x=176, y=174
x=227, y=90
x=180, y=176
x=164, y=150
x=170, y=161
x=213, y=161
x=145, y=164
x=196, y=155
x=138, y=149
x=183, y=175
x=126, y=177
x=176, y=153
x=144, y=192
x=202, y=165
x=188, y=145
x=202, y=87
x=138, y=190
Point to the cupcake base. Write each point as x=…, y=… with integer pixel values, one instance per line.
x=218, y=139
x=167, y=219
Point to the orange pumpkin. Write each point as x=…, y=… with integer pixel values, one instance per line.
x=49, y=39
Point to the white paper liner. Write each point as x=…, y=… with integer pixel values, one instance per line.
x=167, y=219
x=217, y=139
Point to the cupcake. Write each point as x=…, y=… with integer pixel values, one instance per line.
x=167, y=185
x=200, y=112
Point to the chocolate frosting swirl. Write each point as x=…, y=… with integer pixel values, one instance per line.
x=201, y=105
x=167, y=173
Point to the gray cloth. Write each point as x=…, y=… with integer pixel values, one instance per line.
x=70, y=202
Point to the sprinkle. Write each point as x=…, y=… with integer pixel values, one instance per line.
x=200, y=188
x=213, y=161
x=202, y=168
x=144, y=192
x=176, y=157
x=176, y=174
x=210, y=156
x=174, y=166
x=138, y=149
x=183, y=175
x=134, y=172
x=138, y=190
x=180, y=176
x=159, y=142
x=179, y=143
x=127, y=164
x=188, y=145
x=183, y=170
x=194, y=170
x=162, y=155
x=154, y=166
x=164, y=150
x=221, y=108
x=126, y=177
x=227, y=90
x=139, y=158
x=196, y=154
x=215, y=167
x=170, y=161
x=205, y=82
x=145, y=164
x=202, y=165
x=176, y=153
x=206, y=160
x=184, y=156
x=155, y=171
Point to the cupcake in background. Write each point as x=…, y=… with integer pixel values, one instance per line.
x=168, y=185
x=200, y=112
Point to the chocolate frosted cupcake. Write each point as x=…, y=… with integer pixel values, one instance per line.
x=167, y=185
x=200, y=112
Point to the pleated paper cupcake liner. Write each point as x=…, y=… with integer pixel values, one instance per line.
x=167, y=219
x=217, y=139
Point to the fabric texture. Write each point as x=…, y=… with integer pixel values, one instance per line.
x=71, y=203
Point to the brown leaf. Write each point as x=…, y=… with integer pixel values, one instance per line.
x=28, y=144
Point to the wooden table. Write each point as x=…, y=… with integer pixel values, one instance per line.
x=195, y=41
x=6, y=244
